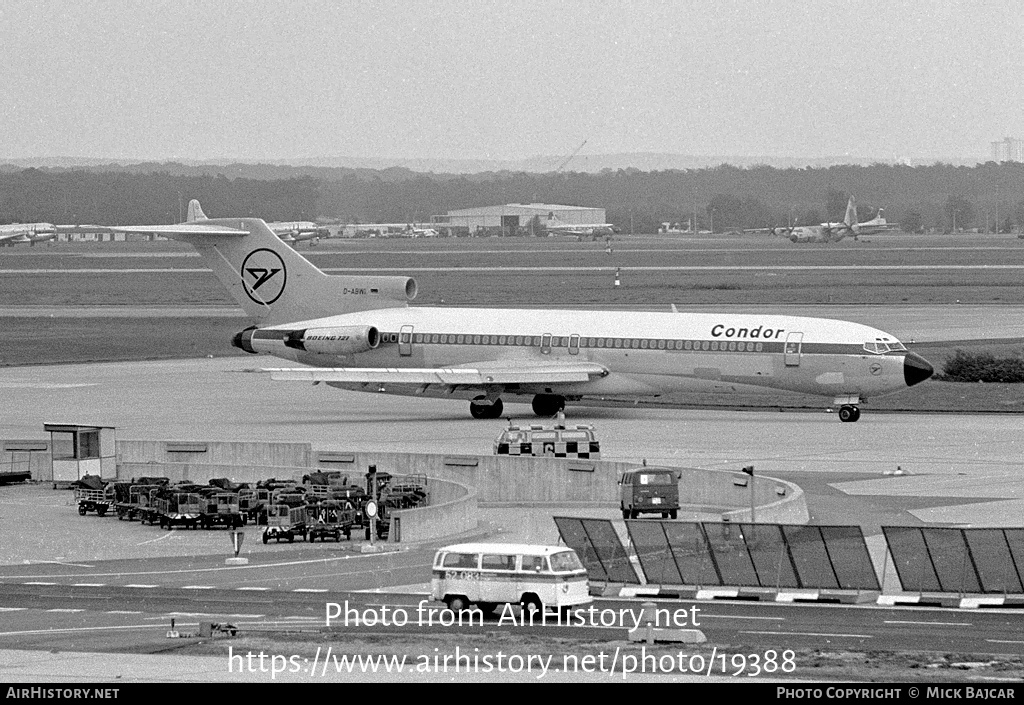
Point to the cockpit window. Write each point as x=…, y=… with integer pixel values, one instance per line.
x=880, y=348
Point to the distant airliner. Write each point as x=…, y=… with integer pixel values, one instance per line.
x=299, y=231
x=358, y=333
x=554, y=225
x=31, y=233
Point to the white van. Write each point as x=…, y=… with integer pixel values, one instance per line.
x=491, y=574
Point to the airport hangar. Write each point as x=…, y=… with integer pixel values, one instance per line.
x=517, y=215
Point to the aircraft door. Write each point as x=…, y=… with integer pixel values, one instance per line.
x=405, y=341
x=794, y=342
x=545, y=343
x=574, y=344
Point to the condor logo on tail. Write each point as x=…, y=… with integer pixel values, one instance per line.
x=264, y=276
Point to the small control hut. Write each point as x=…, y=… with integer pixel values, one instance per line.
x=77, y=451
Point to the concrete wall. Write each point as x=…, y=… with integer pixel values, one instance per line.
x=31, y=456
x=202, y=473
x=452, y=510
x=240, y=453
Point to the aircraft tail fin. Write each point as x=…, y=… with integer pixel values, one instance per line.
x=851, y=213
x=195, y=212
x=271, y=281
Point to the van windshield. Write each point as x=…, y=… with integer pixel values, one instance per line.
x=657, y=478
x=566, y=561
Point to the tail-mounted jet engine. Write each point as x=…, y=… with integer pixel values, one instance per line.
x=342, y=340
x=346, y=340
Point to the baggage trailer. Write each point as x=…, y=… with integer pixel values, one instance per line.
x=148, y=511
x=182, y=508
x=252, y=503
x=132, y=506
x=329, y=518
x=221, y=509
x=98, y=501
x=285, y=522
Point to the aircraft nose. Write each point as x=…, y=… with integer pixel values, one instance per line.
x=916, y=369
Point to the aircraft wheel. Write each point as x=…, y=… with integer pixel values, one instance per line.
x=848, y=413
x=547, y=404
x=485, y=411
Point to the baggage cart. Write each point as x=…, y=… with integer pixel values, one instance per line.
x=329, y=518
x=285, y=522
x=179, y=508
x=221, y=509
x=98, y=501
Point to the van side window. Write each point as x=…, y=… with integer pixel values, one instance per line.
x=460, y=560
x=533, y=563
x=496, y=562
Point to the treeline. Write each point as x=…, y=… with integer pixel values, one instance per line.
x=937, y=197
x=983, y=367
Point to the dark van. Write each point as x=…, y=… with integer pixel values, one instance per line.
x=649, y=490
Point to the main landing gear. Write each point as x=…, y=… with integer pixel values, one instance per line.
x=848, y=412
x=548, y=404
x=481, y=408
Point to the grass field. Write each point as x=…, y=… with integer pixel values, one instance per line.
x=522, y=272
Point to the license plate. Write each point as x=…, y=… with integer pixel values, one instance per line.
x=656, y=500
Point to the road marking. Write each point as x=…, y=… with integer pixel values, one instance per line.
x=198, y=587
x=60, y=609
x=1003, y=641
x=938, y=624
x=159, y=538
x=87, y=584
x=740, y=616
x=137, y=585
x=851, y=636
x=309, y=590
x=39, y=583
x=82, y=629
x=123, y=612
x=252, y=588
x=12, y=609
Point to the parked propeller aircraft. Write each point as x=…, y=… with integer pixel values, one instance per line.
x=31, y=233
x=299, y=231
x=359, y=333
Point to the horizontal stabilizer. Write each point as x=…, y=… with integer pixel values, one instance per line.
x=182, y=229
x=525, y=374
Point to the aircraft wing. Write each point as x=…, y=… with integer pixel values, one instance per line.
x=180, y=229
x=476, y=376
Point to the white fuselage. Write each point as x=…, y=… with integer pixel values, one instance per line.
x=645, y=354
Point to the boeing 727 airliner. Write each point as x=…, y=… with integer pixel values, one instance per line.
x=359, y=333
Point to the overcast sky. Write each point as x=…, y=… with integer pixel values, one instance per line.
x=509, y=79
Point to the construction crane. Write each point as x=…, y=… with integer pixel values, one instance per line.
x=569, y=158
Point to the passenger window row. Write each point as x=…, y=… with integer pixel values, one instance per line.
x=563, y=342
